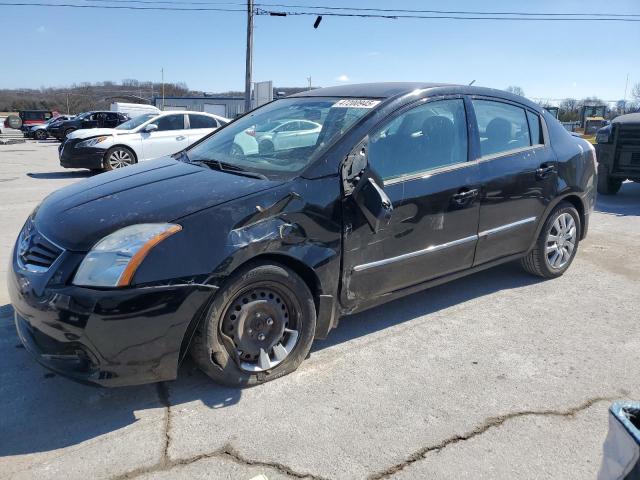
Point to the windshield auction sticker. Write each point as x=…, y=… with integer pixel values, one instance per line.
x=355, y=103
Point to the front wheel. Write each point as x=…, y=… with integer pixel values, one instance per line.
x=260, y=327
x=606, y=184
x=118, y=157
x=41, y=135
x=556, y=245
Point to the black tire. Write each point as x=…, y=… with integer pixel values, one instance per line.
x=211, y=349
x=266, y=147
x=41, y=134
x=107, y=164
x=536, y=261
x=606, y=184
x=236, y=151
x=66, y=133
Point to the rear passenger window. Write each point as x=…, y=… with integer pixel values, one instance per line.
x=503, y=127
x=202, y=121
x=534, y=128
x=170, y=122
x=430, y=136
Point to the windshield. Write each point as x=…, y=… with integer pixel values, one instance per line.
x=136, y=121
x=276, y=138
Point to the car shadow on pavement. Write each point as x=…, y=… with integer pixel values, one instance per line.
x=625, y=203
x=503, y=277
x=57, y=175
x=41, y=411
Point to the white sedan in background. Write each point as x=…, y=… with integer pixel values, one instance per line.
x=145, y=137
x=277, y=135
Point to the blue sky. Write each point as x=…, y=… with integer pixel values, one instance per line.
x=206, y=49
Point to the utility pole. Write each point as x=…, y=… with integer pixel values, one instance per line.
x=68, y=112
x=162, y=71
x=247, y=77
x=309, y=80
x=626, y=85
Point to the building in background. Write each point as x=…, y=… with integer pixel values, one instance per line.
x=229, y=107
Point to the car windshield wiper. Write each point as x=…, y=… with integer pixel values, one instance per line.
x=230, y=168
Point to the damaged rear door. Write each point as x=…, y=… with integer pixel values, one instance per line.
x=411, y=201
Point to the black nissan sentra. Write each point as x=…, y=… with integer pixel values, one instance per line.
x=241, y=251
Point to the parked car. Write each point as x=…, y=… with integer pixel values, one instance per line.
x=277, y=135
x=39, y=131
x=242, y=260
x=142, y=138
x=27, y=118
x=98, y=119
x=618, y=151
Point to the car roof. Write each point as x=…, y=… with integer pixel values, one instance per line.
x=369, y=90
x=628, y=118
x=190, y=112
x=385, y=90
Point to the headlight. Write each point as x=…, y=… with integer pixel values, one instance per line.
x=113, y=261
x=91, y=142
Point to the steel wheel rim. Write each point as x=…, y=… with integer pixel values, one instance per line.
x=119, y=159
x=561, y=241
x=263, y=325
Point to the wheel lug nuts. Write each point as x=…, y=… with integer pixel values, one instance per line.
x=261, y=337
x=269, y=321
x=250, y=331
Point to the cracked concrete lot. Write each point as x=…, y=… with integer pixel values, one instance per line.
x=498, y=375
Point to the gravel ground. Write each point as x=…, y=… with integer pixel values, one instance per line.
x=497, y=375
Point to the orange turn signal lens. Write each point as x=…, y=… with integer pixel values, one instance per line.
x=136, y=260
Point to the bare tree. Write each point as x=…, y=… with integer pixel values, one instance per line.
x=515, y=90
x=635, y=93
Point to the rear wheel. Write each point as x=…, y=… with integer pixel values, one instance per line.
x=260, y=327
x=67, y=132
x=556, y=245
x=606, y=184
x=41, y=135
x=118, y=157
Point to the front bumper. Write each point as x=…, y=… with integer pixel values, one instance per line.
x=71, y=157
x=112, y=337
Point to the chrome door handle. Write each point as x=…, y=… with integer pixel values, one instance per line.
x=180, y=138
x=544, y=171
x=465, y=195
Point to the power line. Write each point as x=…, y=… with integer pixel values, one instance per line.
x=491, y=16
x=445, y=12
x=391, y=16
x=376, y=10
x=120, y=7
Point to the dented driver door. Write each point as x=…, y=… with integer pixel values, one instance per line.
x=420, y=159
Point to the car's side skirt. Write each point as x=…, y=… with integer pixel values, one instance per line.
x=381, y=299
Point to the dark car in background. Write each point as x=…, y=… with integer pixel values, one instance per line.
x=618, y=151
x=243, y=259
x=96, y=119
x=39, y=131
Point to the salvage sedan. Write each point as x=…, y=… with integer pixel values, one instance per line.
x=243, y=259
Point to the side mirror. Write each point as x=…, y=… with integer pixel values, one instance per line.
x=374, y=203
x=152, y=127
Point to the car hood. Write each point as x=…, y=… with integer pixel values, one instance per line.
x=163, y=190
x=94, y=132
